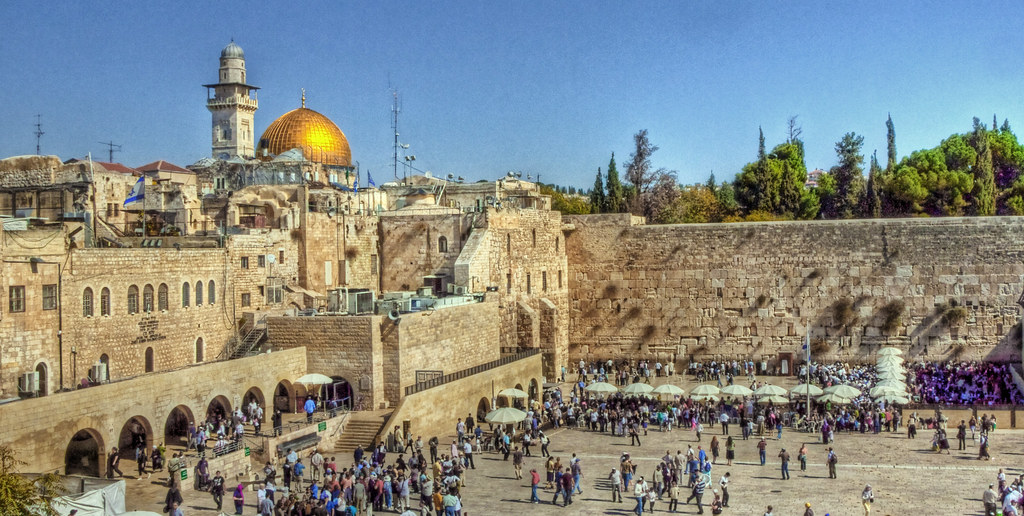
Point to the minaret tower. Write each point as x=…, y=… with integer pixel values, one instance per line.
x=232, y=105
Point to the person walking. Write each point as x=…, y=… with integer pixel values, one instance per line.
x=698, y=492
x=724, y=484
x=724, y=419
x=784, y=456
x=239, y=498
x=807, y=509
x=761, y=449
x=961, y=436
x=867, y=497
x=517, y=462
x=730, y=450
x=673, y=494
x=831, y=459
x=991, y=500
x=113, y=462
x=639, y=492
x=616, y=479
x=534, y=480
x=802, y=456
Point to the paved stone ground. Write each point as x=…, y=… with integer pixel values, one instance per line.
x=907, y=477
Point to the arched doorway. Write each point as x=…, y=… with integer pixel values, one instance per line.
x=136, y=432
x=84, y=455
x=482, y=408
x=338, y=394
x=501, y=402
x=283, y=396
x=219, y=408
x=43, y=386
x=252, y=401
x=176, y=427
x=534, y=391
x=518, y=403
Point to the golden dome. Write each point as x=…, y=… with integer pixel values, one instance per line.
x=319, y=138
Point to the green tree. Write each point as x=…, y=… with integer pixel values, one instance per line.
x=22, y=496
x=874, y=203
x=726, y=196
x=694, y=204
x=565, y=203
x=597, y=194
x=776, y=182
x=615, y=196
x=653, y=190
x=710, y=184
x=891, y=139
x=760, y=145
x=983, y=196
x=849, y=176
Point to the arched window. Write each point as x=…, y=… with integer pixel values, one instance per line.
x=211, y=293
x=199, y=293
x=442, y=245
x=147, y=298
x=149, y=360
x=161, y=297
x=43, y=387
x=133, y=299
x=185, y=294
x=199, y=350
x=105, y=360
x=105, y=301
x=87, y=302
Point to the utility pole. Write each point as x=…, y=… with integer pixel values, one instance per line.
x=111, y=148
x=394, y=127
x=39, y=133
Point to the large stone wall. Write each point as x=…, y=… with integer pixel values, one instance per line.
x=754, y=289
x=41, y=429
x=346, y=245
x=410, y=245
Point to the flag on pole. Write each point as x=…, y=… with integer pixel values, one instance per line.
x=355, y=186
x=807, y=346
x=369, y=179
x=138, y=192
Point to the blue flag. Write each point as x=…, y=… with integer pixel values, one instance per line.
x=355, y=186
x=138, y=192
x=369, y=179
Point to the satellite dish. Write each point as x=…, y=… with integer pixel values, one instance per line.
x=271, y=258
x=394, y=315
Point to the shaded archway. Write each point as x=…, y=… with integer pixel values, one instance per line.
x=84, y=455
x=43, y=384
x=176, y=427
x=482, y=408
x=534, y=391
x=219, y=408
x=252, y=400
x=337, y=394
x=283, y=396
x=136, y=432
x=501, y=402
x=517, y=402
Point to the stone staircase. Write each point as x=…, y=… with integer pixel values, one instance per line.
x=361, y=429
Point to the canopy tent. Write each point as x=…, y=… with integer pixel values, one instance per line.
x=804, y=389
x=843, y=391
x=637, y=389
x=314, y=379
x=736, y=391
x=505, y=416
x=513, y=393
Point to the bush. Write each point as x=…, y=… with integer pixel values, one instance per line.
x=843, y=312
x=893, y=313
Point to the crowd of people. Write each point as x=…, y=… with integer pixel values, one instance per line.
x=964, y=383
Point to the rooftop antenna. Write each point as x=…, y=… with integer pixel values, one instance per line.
x=111, y=149
x=394, y=127
x=39, y=133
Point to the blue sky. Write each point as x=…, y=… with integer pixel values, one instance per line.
x=548, y=88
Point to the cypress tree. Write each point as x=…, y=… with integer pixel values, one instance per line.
x=614, y=202
x=891, y=139
x=597, y=194
x=874, y=208
x=760, y=145
x=984, y=192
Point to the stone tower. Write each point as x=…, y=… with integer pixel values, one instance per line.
x=232, y=105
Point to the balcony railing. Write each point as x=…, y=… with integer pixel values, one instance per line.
x=441, y=380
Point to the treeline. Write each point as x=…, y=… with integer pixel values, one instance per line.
x=974, y=173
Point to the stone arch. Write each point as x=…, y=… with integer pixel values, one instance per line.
x=340, y=392
x=200, y=351
x=534, y=391
x=220, y=406
x=85, y=454
x=516, y=402
x=176, y=426
x=284, y=393
x=501, y=402
x=150, y=360
x=44, y=378
x=199, y=293
x=254, y=394
x=135, y=432
x=482, y=408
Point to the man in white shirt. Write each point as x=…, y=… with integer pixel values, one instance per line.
x=639, y=492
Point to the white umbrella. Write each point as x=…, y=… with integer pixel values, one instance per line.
x=670, y=389
x=513, y=393
x=892, y=375
x=704, y=397
x=843, y=391
x=314, y=379
x=892, y=383
x=505, y=416
x=769, y=390
x=736, y=391
x=775, y=399
x=636, y=389
x=888, y=352
x=894, y=398
x=834, y=398
x=601, y=388
x=704, y=390
x=888, y=389
x=804, y=389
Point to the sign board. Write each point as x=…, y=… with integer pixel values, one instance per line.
x=322, y=426
x=184, y=474
x=246, y=451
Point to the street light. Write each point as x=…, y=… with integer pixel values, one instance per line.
x=408, y=164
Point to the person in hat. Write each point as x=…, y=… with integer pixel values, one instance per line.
x=807, y=509
x=990, y=498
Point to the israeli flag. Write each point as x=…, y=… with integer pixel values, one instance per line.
x=355, y=186
x=369, y=179
x=807, y=346
x=138, y=192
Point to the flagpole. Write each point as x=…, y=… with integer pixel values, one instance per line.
x=807, y=375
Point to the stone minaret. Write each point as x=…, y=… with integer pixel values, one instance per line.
x=232, y=105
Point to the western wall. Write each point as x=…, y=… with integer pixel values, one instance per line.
x=937, y=288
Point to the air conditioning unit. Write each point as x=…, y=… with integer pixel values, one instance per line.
x=30, y=382
x=98, y=373
x=451, y=289
x=461, y=290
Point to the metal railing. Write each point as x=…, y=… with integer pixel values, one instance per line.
x=508, y=359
